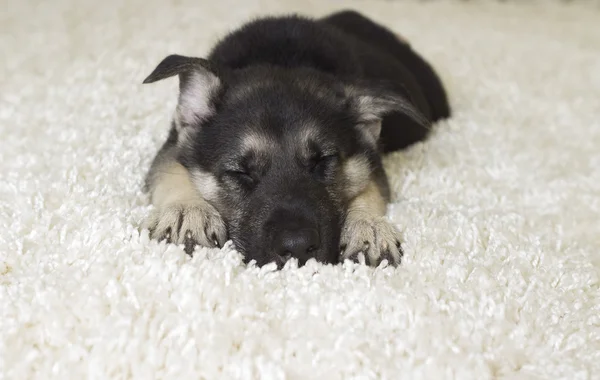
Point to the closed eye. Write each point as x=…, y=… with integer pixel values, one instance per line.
x=324, y=165
x=241, y=176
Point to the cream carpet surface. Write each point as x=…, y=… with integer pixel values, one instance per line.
x=499, y=210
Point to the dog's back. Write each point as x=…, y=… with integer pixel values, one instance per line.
x=346, y=45
x=385, y=41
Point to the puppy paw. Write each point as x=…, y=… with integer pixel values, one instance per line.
x=375, y=237
x=190, y=224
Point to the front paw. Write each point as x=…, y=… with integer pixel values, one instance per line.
x=190, y=224
x=375, y=237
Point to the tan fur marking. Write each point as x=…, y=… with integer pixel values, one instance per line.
x=370, y=201
x=173, y=184
x=356, y=175
x=307, y=134
x=256, y=143
x=206, y=184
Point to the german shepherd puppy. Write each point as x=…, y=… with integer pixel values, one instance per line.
x=277, y=138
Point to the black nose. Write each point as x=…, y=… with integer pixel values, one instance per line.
x=298, y=243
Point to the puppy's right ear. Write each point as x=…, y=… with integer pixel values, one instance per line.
x=198, y=85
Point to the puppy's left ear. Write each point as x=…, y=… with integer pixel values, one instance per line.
x=198, y=85
x=372, y=104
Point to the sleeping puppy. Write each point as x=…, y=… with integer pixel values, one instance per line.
x=277, y=138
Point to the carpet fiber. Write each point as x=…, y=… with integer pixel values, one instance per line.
x=499, y=210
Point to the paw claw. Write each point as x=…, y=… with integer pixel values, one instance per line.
x=373, y=236
x=356, y=257
x=214, y=240
x=201, y=222
x=385, y=256
x=189, y=243
x=166, y=236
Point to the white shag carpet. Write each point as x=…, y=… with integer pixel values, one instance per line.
x=499, y=210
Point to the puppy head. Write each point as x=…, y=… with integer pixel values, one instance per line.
x=280, y=153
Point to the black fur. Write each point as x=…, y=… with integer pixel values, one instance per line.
x=283, y=78
x=351, y=47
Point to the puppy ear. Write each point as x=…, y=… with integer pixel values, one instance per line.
x=372, y=104
x=198, y=84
